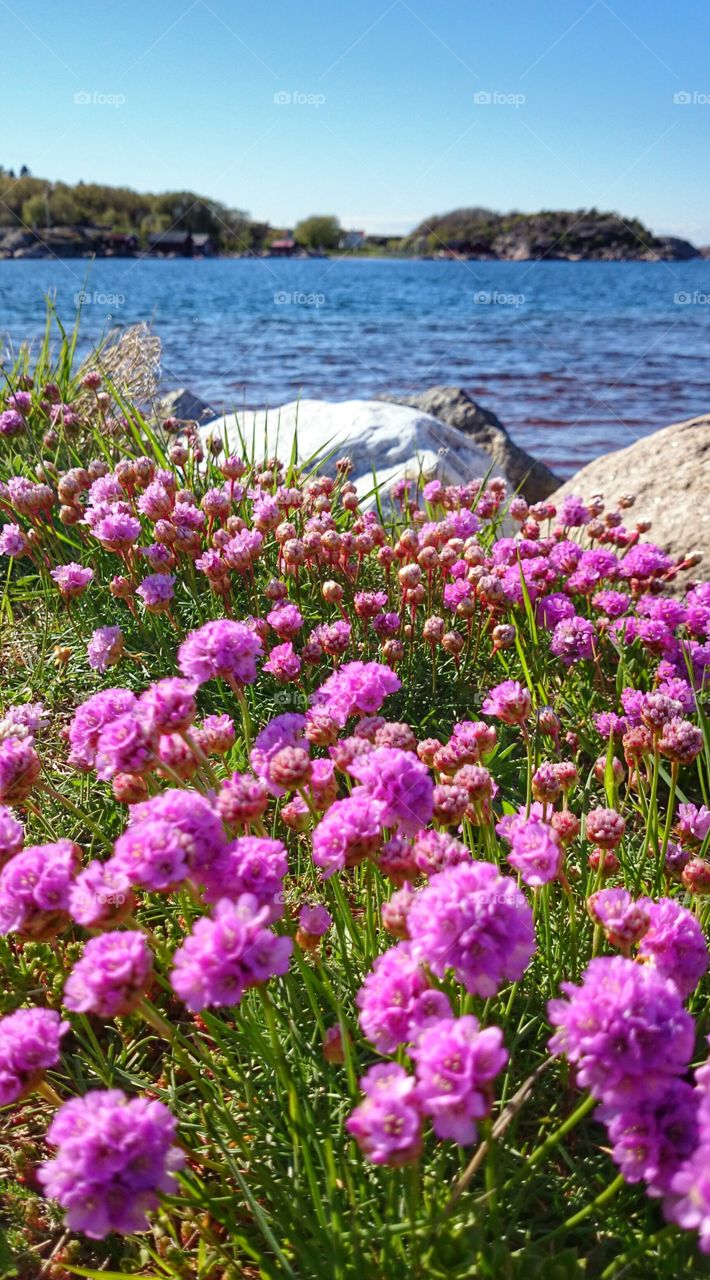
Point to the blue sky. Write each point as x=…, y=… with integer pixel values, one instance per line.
x=380, y=124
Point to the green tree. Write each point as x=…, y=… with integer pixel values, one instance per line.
x=63, y=209
x=34, y=211
x=320, y=231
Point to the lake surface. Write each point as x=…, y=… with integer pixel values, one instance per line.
x=575, y=358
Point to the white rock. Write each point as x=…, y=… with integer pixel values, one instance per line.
x=393, y=440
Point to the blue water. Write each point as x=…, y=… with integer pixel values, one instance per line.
x=575, y=358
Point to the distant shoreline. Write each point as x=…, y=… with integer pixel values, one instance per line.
x=337, y=257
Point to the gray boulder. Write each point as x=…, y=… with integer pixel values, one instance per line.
x=669, y=473
x=387, y=441
x=183, y=405
x=454, y=406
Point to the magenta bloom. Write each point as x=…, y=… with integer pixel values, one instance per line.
x=169, y=705
x=111, y=976
x=12, y=423
x=104, y=648
x=117, y=531
x=552, y=609
x=227, y=953
x=283, y=663
x=674, y=944
x=151, y=854
x=283, y=731
x=645, y=560
x=19, y=769
x=157, y=591
x=71, y=579
x=286, y=620
x=126, y=745
x=29, y=1044
x=349, y=831
x=314, y=919
x=91, y=718
x=573, y=640
x=12, y=834
x=400, y=784
x=688, y=1204
x=509, y=702
x=241, y=799
x=252, y=864
x=651, y=1139
x=694, y=822
x=216, y=735
x=471, y=919
x=456, y=1062
x=220, y=649
x=434, y=850
x=605, y=827
x=13, y=541
x=625, y=1028
x=99, y=894
x=156, y=502
x=357, y=687
x=115, y=1154
x=387, y=1125
x=34, y=889
x=195, y=824
x=624, y=921
x=535, y=851
x=396, y=1000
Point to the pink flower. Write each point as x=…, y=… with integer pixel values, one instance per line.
x=226, y=954
x=156, y=591
x=625, y=1028
x=456, y=1062
x=349, y=831
x=472, y=920
x=220, y=649
x=387, y=1125
x=283, y=731
x=283, y=663
x=71, y=579
x=105, y=648
x=358, y=687
x=400, y=784
x=509, y=702
x=396, y=1000
x=111, y=976
x=536, y=852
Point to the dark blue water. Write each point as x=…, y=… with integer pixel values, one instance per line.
x=575, y=358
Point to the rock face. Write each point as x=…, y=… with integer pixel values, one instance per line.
x=555, y=235
x=183, y=405
x=453, y=405
x=669, y=472
x=391, y=440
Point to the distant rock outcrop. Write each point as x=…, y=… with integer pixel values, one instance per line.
x=453, y=405
x=669, y=473
x=553, y=234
